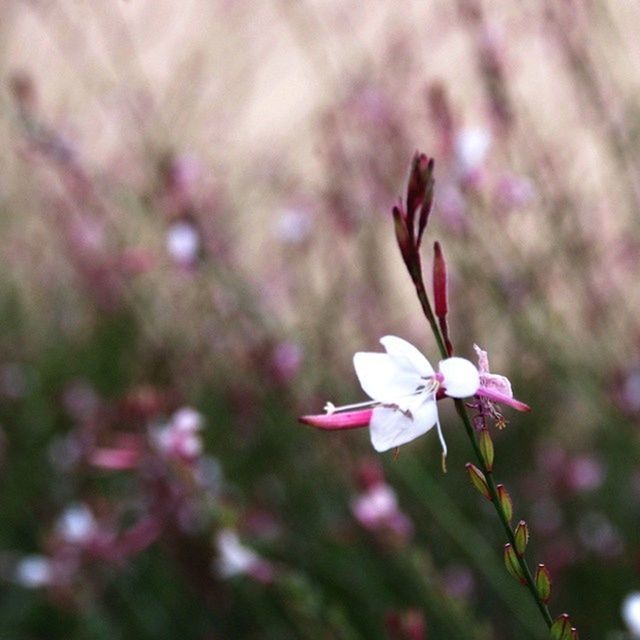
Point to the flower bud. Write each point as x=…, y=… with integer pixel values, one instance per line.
x=403, y=234
x=543, y=583
x=521, y=535
x=512, y=563
x=505, y=502
x=561, y=628
x=478, y=480
x=486, y=448
x=419, y=187
x=427, y=202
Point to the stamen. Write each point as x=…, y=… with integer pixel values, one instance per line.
x=331, y=408
x=443, y=444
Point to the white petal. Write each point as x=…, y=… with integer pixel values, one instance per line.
x=382, y=379
x=461, y=378
x=406, y=355
x=391, y=428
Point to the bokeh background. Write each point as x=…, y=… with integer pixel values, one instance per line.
x=196, y=237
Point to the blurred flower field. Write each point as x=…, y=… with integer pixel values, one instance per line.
x=196, y=237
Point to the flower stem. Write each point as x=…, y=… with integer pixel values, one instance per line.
x=416, y=276
x=428, y=312
x=491, y=484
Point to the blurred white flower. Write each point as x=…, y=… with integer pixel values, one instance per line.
x=631, y=613
x=34, y=571
x=293, y=226
x=471, y=147
x=234, y=558
x=180, y=438
x=183, y=243
x=76, y=525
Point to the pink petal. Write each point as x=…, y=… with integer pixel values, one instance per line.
x=333, y=421
x=115, y=458
x=496, y=396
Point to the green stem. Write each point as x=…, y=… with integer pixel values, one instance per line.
x=493, y=490
x=428, y=312
x=464, y=416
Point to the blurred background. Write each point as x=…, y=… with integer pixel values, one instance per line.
x=196, y=237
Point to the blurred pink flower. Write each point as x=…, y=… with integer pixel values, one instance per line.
x=377, y=508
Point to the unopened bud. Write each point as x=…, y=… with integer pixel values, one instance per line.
x=512, y=563
x=574, y=634
x=478, y=480
x=521, y=535
x=561, y=628
x=486, y=448
x=403, y=236
x=427, y=202
x=439, y=282
x=505, y=502
x=543, y=583
x=418, y=185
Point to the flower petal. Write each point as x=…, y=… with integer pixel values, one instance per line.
x=461, y=378
x=391, y=427
x=496, y=396
x=336, y=421
x=407, y=357
x=382, y=379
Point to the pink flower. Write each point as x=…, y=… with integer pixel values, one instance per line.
x=495, y=387
x=377, y=508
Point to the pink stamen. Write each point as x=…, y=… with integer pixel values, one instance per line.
x=501, y=398
x=337, y=421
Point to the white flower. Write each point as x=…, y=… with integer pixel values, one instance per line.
x=77, y=524
x=471, y=147
x=183, y=243
x=34, y=571
x=403, y=385
x=234, y=558
x=631, y=613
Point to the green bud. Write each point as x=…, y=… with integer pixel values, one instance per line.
x=505, y=502
x=521, y=535
x=543, y=583
x=512, y=563
x=486, y=448
x=561, y=628
x=478, y=480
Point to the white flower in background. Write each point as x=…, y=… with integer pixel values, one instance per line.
x=631, y=613
x=180, y=438
x=471, y=147
x=33, y=572
x=76, y=525
x=234, y=559
x=183, y=243
x=293, y=226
